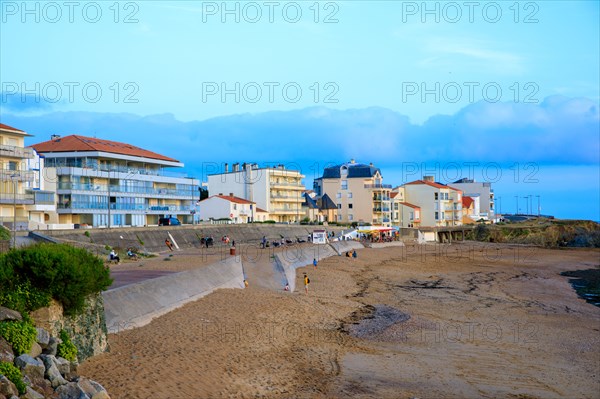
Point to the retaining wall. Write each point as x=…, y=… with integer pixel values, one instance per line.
x=137, y=304
x=289, y=261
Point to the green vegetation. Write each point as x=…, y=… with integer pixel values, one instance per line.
x=66, y=349
x=11, y=372
x=19, y=334
x=4, y=233
x=68, y=274
x=139, y=240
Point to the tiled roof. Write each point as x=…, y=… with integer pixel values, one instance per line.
x=410, y=205
x=261, y=210
x=432, y=184
x=6, y=127
x=394, y=194
x=309, y=202
x=467, y=201
x=76, y=143
x=325, y=202
x=230, y=198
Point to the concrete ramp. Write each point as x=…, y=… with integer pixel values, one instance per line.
x=341, y=247
x=289, y=260
x=137, y=304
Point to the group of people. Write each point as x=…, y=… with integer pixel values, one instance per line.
x=226, y=240
x=354, y=255
x=113, y=256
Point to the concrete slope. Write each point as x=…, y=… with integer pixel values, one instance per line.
x=341, y=247
x=288, y=261
x=137, y=304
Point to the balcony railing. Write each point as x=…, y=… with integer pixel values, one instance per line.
x=122, y=189
x=131, y=171
x=123, y=207
x=16, y=152
x=295, y=184
x=384, y=209
x=18, y=175
x=295, y=197
x=20, y=199
x=378, y=186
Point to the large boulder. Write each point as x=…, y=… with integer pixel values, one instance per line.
x=31, y=394
x=71, y=391
x=8, y=314
x=6, y=353
x=52, y=373
x=35, y=350
x=43, y=337
x=64, y=366
x=52, y=347
x=30, y=367
x=92, y=388
x=7, y=388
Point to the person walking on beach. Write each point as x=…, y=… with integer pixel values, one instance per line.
x=354, y=254
x=168, y=244
x=315, y=263
x=263, y=243
x=306, y=283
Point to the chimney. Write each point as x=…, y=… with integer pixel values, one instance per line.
x=236, y=167
x=55, y=137
x=231, y=195
x=226, y=168
x=429, y=179
x=244, y=166
x=352, y=160
x=220, y=193
x=371, y=164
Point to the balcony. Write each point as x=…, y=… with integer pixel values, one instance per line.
x=288, y=184
x=290, y=211
x=378, y=186
x=296, y=198
x=16, y=152
x=188, y=194
x=130, y=172
x=379, y=210
x=18, y=175
x=78, y=206
x=18, y=199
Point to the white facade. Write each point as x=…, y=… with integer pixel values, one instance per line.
x=484, y=191
x=276, y=190
x=440, y=205
x=226, y=207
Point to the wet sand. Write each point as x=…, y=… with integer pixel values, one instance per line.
x=473, y=320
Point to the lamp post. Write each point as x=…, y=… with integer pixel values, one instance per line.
x=517, y=211
x=538, y=197
x=14, y=178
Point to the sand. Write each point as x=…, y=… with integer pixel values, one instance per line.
x=476, y=320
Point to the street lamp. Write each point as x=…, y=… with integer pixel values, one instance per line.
x=538, y=197
x=14, y=179
x=517, y=211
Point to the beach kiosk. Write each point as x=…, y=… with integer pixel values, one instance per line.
x=319, y=237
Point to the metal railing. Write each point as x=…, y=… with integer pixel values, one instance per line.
x=123, y=207
x=132, y=171
x=125, y=189
x=287, y=184
x=379, y=186
x=7, y=198
x=18, y=175
x=16, y=152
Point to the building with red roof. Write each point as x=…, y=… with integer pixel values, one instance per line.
x=222, y=207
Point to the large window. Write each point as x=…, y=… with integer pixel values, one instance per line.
x=437, y=216
x=344, y=184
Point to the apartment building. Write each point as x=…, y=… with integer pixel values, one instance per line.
x=231, y=207
x=276, y=190
x=404, y=214
x=102, y=183
x=358, y=191
x=440, y=205
x=482, y=190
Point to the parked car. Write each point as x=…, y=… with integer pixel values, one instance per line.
x=169, y=222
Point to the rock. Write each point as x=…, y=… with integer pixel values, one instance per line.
x=92, y=388
x=43, y=337
x=8, y=314
x=35, y=350
x=31, y=394
x=7, y=388
x=52, y=347
x=6, y=352
x=31, y=367
x=64, y=366
x=71, y=391
x=52, y=372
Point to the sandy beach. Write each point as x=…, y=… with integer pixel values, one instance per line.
x=463, y=320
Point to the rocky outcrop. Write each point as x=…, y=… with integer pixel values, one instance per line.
x=87, y=329
x=8, y=314
x=46, y=375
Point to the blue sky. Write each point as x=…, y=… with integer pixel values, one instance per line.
x=383, y=81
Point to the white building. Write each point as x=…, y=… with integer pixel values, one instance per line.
x=440, y=205
x=276, y=190
x=231, y=207
x=484, y=191
x=103, y=183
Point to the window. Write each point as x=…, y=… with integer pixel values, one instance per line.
x=338, y=195
x=435, y=196
x=349, y=195
x=12, y=165
x=339, y=217
x=437, y=216
x=349, y=206
x=339, y=206
x=396, y=206
x=234, y=207
x=410, y=215
x=445, y=196
x=344, y=184
x=350, y=217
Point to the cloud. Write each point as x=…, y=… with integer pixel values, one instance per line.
x=560, y=130
x=25, y=102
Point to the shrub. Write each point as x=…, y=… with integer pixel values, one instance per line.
x=87, y=234
x=23, y=297
x=66, y=273
x=4, y=233
x=66, y=349
x=11, y=372
x=19, y=334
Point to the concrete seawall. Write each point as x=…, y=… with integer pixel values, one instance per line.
x=137, y=304
x=341, y=247
x=152, y=239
